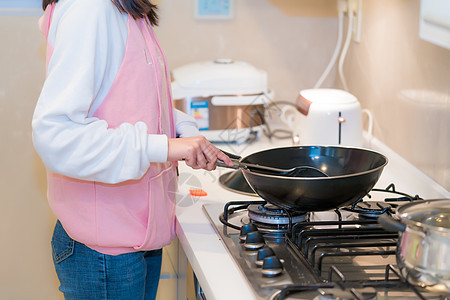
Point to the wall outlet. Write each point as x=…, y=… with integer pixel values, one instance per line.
x=355, y=8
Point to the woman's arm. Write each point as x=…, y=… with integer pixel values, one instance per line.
x=186, y=126
x=191, y=147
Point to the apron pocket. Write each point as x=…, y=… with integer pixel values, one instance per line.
x=62, y=244
x=161, y=214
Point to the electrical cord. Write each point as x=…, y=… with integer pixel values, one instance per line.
x=267, y=131
x=336, y=50
x=345, y=49
x=253, y=134
x=277, y=133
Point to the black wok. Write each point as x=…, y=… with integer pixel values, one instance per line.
x=352, y=174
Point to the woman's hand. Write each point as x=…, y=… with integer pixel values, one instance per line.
x=197, y=152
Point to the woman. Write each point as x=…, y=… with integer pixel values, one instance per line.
x=109, y=137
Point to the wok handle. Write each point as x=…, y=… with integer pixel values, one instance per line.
x=390, y=223
x=234, y=159
x=236, y=164
x=231, y=155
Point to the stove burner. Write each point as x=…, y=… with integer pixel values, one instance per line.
x=373, y=209
x=271, y=214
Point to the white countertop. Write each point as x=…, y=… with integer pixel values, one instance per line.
x=216, y=271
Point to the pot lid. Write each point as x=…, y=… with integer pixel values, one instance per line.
x=218, y=77
x=429, y=214
x=328, y=96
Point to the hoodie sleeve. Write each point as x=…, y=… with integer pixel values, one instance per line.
x=68, y=140
x=186, y=126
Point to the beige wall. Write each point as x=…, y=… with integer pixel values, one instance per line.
x=405, y=81
x=293, y=50
x=26, y=271
x=292, y=47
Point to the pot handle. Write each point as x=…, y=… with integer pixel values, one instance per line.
x=370, y=122
x=390, y=223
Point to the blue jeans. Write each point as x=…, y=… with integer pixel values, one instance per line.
x=87, y=274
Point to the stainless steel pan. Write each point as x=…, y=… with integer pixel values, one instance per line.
x=352, y=173
x=423, y=250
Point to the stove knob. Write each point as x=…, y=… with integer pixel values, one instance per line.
x=272, y=266
x=254, y=241
x=246, y=229
x=263, y=253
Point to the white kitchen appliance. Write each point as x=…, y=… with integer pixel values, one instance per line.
x=227, y=98
x=326, y=117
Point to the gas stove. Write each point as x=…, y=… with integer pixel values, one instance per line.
x=341, y=254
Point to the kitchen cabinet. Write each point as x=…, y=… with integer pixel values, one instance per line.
x=167, y=288
x=435, y=22
x=177, y=277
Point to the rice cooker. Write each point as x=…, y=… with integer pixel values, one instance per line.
x=326, y=117
x=226, y=97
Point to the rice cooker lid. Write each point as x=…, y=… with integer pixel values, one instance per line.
x=328, y=96
x=218, y=77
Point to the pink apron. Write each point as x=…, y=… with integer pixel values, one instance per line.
x=137, y=214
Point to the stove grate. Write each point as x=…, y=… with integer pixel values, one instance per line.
x=387, y=206
x=361, y=290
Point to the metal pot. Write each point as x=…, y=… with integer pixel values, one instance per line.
x=424, y=244
x=352, y=172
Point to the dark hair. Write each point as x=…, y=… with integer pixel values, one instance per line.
x=136, y=8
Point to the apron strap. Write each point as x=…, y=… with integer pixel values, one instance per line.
x=46, y=19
